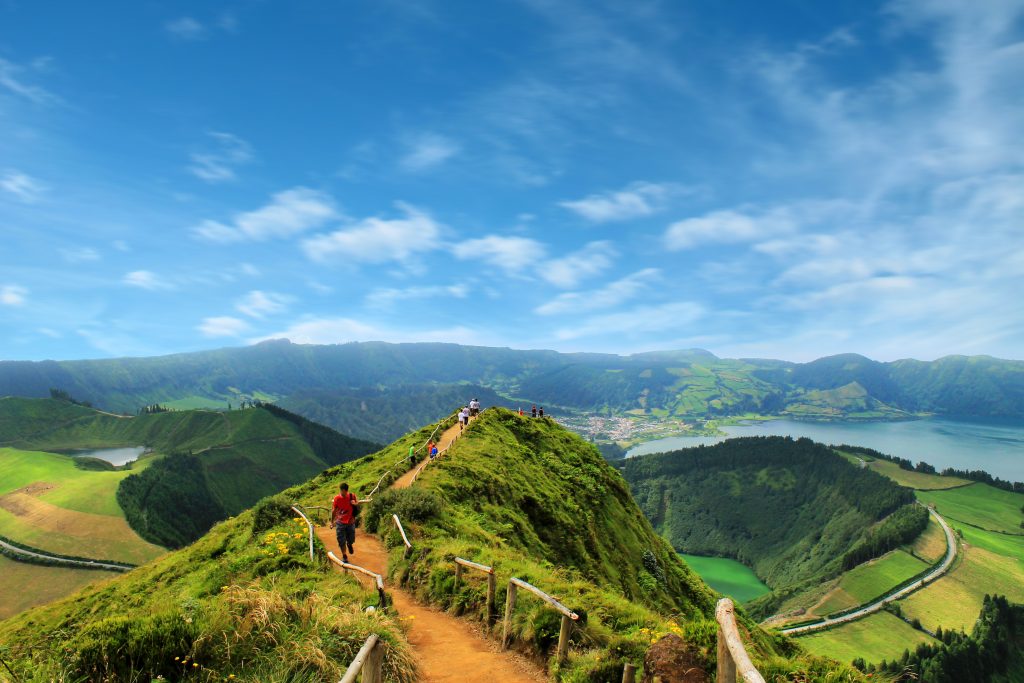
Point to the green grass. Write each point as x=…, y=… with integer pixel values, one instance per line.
x=197, y=402
x=27, y=585
x=914, y=480
x=75, y=489
x=877, y=637
x=727, y=576
x=930, y=546
x=871, y=579
x=979, y=504
x=955, y=600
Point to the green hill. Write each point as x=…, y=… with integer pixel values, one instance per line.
x=791, y=510
x=526, y=496
x=216, y=464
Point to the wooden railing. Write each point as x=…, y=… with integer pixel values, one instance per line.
x=404, y=458
x=568, y=616
x=492, y=609
x=369, y=661
x=732, y=655
x=405, y=539
x=378, y=579
x=308, y=524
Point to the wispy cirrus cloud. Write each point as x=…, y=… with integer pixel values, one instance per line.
x=674, y=317
x=378, y=240
x=568, y=271
x=427, y=151
x=636, y=200
x=611, y=295
x=13, y=295
x=219, y=164
x=258, y=304
x=288, y=213
x=22, y=186
x=514, y=255
x=186, y=28
x=223, y=326
x=79, y=254
x=388, y=296
x=145, y=279
x=13, y=79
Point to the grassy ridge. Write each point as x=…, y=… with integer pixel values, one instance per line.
x=980, y=505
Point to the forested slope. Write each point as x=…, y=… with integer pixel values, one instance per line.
x=791, y=510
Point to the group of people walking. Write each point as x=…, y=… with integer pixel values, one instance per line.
x=468, y=411
x=534, y=411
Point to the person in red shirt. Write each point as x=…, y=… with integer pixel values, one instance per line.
x=343, y=518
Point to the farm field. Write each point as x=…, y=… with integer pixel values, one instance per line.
x=914, y=480
x=877, y=637
x=930, y=546
x=979, y=504
x=954, y=601
x=27, y=585
x=870, y=580
x=48, y=503
x=728, y=577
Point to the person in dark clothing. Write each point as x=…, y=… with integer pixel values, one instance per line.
x=343, y=519
x=541, y=411
x=533, y=411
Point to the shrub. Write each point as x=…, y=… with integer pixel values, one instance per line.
x=270, y=512
x=411, y=505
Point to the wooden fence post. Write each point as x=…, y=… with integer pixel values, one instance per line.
x=510, y=604
x=726, y=667
x=458, y=575
x=563, y=638
x=629, y=674
x=374, y=665
x=492, y=609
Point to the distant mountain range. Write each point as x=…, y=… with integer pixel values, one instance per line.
x=356, y=387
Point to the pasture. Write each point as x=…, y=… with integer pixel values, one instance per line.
x=870, y=580
x=877, y=637
x=981, y=505
x=27, y=585
x=954, y=601
x=930, y=546
x=727, y=576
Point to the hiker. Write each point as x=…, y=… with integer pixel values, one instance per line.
x=520, y=411
x=474, y=408
x=463, y=417
x=343, y=518
x=541, y=411
x=533, y=411
x=433, y=452
x=412, y=455
x=431, y=448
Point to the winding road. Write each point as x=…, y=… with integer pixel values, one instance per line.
x=877, y=605
x=90, y=564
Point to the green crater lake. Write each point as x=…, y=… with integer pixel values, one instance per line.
x=728, y=577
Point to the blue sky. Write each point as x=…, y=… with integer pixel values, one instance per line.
x=787, y=179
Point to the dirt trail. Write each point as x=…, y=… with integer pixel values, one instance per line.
x=446, y=648
x=447, y=439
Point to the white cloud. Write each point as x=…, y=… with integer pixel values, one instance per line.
x=12, y=295
x=341, y=330
x=11, y=79
x=257, y=304
x=288, y=213
x=223, y=326
x=121, y=245
x=570, y=270
x=377, y=240
x=386, y=297
x=637, y=321
x=609, y=296
x=512, y=254
x=636, y=200
x=24, y=187
x=427, y=151
x=186, y=28
x=145, y=280
x=80, y=254
x=726, y=226
x=219, y=164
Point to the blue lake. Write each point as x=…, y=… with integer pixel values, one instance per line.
x=115, y=456
x=994, y=446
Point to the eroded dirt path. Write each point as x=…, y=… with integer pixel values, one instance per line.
x=448, y=437
x=447, y=649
